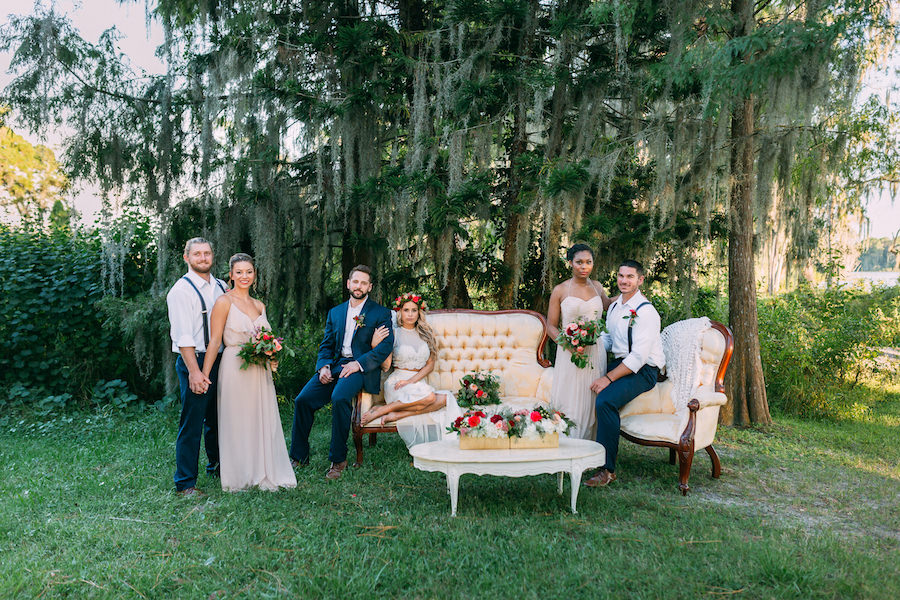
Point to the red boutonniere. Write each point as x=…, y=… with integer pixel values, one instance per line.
x=360, y=320
x=631, y=316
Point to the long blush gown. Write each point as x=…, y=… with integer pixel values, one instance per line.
x=252, y=451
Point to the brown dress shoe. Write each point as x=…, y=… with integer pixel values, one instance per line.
x=335, y=470
x=603, y=477
x=190, y=492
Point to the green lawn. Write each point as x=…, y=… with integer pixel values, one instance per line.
x=803, y=510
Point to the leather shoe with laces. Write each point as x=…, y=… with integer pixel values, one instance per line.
x=335, y=470
x=190, y=492
x=603, y=477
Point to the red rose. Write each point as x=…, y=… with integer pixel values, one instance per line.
x=496, y=418
x=479, y=393
x=535, y=416
x=474, y=420
x=480, y=414
x=415, y=298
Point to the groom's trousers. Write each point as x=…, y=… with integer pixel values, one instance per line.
x=612, y=398
x=314, y=395
x=198, y=418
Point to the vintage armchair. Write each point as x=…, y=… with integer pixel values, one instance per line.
x=652, y=419
x=508, y=342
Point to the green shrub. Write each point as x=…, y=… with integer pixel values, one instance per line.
x=818, y=345
x=58, y=346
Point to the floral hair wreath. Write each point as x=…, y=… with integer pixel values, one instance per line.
x=419, y=301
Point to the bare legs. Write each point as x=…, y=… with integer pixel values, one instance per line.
x=399, y=410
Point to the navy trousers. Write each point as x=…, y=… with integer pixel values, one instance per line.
x=613, y=397
x=315, y=395
x=198, y=418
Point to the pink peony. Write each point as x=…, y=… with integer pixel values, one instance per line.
x=277, y=346
x=580, y=349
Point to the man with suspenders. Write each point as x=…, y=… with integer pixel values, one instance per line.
x=190, y=301
x=634, y=339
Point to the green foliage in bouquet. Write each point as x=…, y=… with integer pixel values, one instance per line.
x=479, y=389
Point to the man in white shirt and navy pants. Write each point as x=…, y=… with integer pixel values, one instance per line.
x=190, y=301
x=634, y=339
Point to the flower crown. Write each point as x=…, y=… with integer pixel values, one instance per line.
x=419, y=301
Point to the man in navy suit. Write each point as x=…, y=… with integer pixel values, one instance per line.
x=346, y=364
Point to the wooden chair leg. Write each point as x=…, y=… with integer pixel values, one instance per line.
x=671, y=456
x=685, y=458
x=716, y=465
x=357, y=441
x=372, y=438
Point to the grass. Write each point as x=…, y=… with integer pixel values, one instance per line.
x=804, y=509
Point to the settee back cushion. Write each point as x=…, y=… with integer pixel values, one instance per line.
x=503, y=343
x=712, y=349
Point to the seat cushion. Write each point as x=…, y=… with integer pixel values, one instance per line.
x=655, y=401
x=658, y=427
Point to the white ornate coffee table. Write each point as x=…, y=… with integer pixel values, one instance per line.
x=573, y=457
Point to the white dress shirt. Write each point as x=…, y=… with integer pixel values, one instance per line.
x=646, y=343
x=350, y=327
x=185, y=313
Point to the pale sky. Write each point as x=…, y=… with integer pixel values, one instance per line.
x=92, y=17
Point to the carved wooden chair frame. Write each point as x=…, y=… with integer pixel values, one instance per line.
x=684, y=449
x=360, y=430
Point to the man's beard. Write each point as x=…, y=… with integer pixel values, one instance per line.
x=201, y=270
x=357, y=294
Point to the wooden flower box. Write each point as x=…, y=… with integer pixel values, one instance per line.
x=483, y=443
x=550, y=440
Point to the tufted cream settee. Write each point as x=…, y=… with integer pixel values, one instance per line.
x=508, y=342
x=651, y=419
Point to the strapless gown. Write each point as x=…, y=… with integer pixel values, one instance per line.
x=571, y=392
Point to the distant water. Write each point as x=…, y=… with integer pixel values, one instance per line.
x=868, y=278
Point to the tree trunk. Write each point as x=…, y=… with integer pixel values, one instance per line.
x=748, y=402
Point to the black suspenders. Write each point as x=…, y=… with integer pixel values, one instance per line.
x=205, y=313
x=641, y=305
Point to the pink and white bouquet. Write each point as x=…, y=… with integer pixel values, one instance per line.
x=576, y=337
x=262, y=348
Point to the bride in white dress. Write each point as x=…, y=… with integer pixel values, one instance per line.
x=421, y=413
x=576, y=297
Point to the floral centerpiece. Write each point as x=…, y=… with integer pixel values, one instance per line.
x=480, y=430
x=262, y=348
x=502, y=428
x=480, y=388
x=577, y=336
x=537, y=428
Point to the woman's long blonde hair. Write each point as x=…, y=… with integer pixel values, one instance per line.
x=423, y=329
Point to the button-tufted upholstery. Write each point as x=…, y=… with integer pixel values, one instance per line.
x=652, y=418
x=509, y=343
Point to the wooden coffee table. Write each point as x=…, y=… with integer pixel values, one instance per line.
x=573, y=457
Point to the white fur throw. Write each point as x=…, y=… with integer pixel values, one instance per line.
x=681, y=345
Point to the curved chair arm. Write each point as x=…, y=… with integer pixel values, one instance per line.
x=709, y=398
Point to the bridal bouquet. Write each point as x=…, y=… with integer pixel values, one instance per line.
x=478, y=389
x=262, y=347
x=577, y=336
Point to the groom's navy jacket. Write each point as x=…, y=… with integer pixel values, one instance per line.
x=373, y=315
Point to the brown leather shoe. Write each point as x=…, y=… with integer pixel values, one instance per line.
x=190, y=492
x=603, y=477
x=335, y=470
